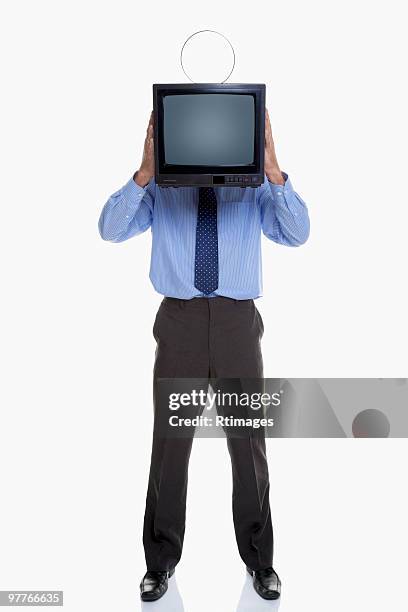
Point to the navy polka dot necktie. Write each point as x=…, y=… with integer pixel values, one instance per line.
x=206, y=254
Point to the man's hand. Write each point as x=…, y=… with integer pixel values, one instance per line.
x=272, y=169
x=146, y=170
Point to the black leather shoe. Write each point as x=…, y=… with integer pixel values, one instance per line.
x=266, y=583
x=154, y=585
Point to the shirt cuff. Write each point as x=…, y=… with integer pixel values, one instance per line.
x=133, y=193
x=280, y=190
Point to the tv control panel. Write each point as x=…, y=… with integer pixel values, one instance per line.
x=240, y=180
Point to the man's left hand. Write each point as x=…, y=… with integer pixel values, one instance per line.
x=272, y=169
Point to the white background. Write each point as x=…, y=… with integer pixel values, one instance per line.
x=76, y=411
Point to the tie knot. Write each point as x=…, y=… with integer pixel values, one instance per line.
x=207, y=198
x=206, y=191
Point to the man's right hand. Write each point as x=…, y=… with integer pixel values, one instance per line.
x=146, y=170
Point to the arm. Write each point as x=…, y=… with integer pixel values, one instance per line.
x=129, y=211
x=284, y=214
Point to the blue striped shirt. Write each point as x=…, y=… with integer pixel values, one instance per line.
x=243, y=213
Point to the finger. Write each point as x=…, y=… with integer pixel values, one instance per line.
x=149, y=144
x=268, y=130
x=269, y=127
x=267, y=119
x=268, y=133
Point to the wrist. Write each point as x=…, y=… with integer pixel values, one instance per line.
x=274, y=175
x=142, y=178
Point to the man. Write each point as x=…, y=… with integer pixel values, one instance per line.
x=206, y=261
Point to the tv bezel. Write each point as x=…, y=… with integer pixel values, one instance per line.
x=169, y=175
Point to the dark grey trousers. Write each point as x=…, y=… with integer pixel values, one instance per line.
x=207, y=338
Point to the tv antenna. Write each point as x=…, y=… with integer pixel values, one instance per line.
x=225, y=49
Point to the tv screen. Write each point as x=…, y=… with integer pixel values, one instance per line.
x=209, y=129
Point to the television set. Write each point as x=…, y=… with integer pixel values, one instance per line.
x=209, y=134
